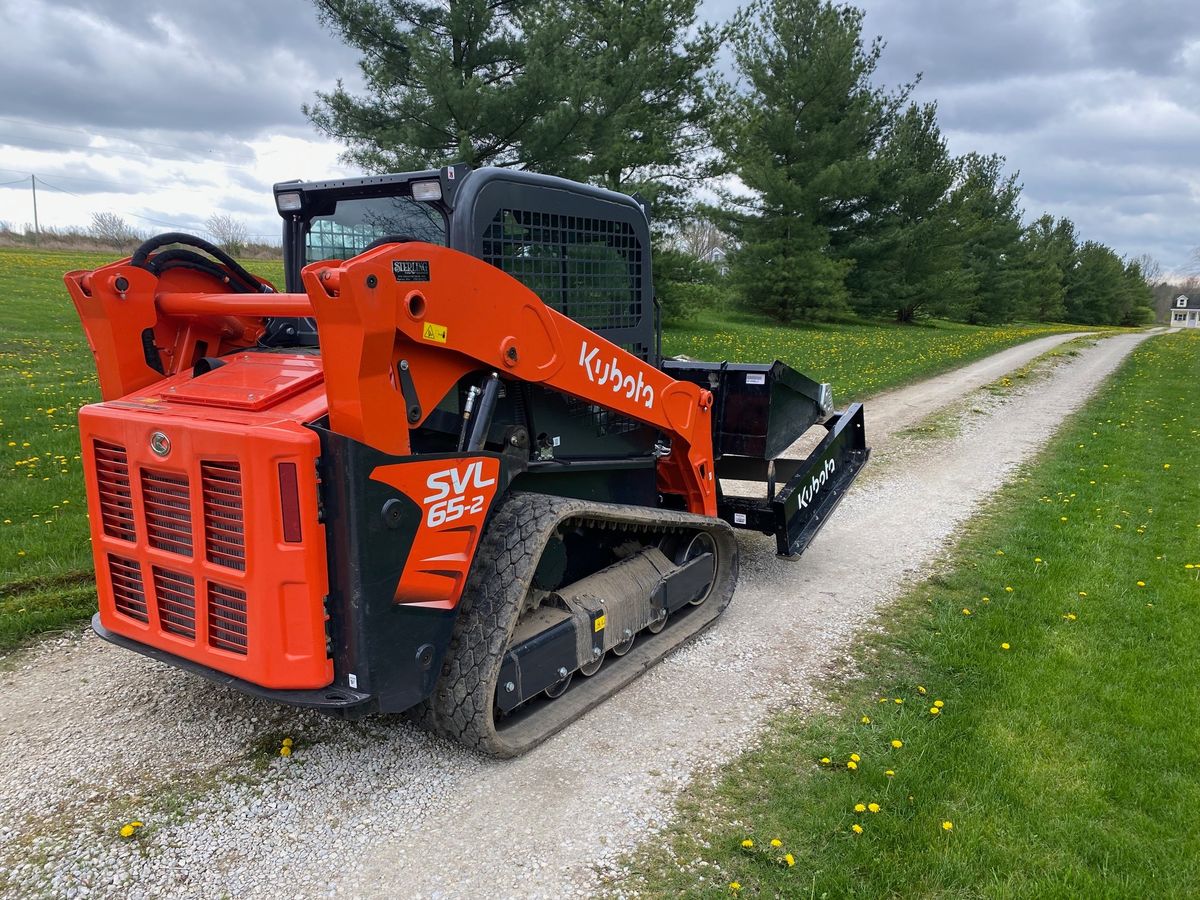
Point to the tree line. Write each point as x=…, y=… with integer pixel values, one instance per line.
x=831, y=194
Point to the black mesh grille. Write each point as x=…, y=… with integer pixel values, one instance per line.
x=589, y=269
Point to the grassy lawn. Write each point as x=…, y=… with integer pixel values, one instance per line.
x=1060, y=652
x=858, y=359
x=47, y=373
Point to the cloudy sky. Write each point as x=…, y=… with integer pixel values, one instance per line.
x=165, y=113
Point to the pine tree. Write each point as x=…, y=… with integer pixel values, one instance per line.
x=799, y=133
x=455, y=81
x=908, y=261
x=985, y=208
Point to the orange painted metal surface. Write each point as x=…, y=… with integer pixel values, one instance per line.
x=455, y=496
x=187, y=532
x=469, y=315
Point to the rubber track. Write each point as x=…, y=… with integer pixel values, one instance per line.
x=505, y=561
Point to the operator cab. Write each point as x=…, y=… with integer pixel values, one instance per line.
x=584, y=251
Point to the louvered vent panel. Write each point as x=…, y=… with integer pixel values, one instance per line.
x=129, y=593
x=227, y=625
x=168, y=513
x=116, y=498
x=224, y=521
x=175, y=595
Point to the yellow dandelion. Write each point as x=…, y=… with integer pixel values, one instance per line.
x=776, y=842
x=1141, y=584
x=856, y=828
x=1008, y=589
x=921, y=690
x=735, y=886
x=947, y=825
x=890, y=773
x=854, y=757
x=966, y=612
x=873, y=807
x=852, y=765
x=789, y=859
x=866, y=720
x=285, y=751
x=825, y=760
x=747, y=843
x=1083, y=593
x=1037, y=559
x=288, y=742
x=898, y=700
x=1005, y=646
x=934, y=711
x=939, y=703
x=860, y=807
x=897, y=744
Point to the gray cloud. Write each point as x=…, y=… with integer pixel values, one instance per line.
x=1095, y=103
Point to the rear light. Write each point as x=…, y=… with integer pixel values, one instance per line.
x=289, y=501
x=427, y=190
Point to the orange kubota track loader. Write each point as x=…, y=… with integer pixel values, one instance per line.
x=446, y=470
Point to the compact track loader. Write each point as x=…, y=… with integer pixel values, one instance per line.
x=445, y=471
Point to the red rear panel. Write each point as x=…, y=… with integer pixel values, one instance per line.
x=204, y=518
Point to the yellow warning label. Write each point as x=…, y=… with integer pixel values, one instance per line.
x=435, y=332
x=599, y=624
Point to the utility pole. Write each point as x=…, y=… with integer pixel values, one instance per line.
x=37, y=232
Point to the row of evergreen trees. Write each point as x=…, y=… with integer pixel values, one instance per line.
x=838, y=195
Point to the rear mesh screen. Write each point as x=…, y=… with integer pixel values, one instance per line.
x=116, y=498
x=224, y=520
x=168, y=511
x=129, y=593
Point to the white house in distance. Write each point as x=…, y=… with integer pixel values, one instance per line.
x=1185, y=311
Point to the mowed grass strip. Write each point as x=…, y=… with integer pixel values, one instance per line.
x=857, y=358
x=1060, y=654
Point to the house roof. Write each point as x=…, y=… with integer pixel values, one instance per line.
x=1190, y=301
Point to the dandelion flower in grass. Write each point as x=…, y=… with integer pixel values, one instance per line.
x=1062, y=518
x=1008, y=589
x=856, y=828
x=1005, y=646
x=1083, y=593
x=1141, y=584
x=939, y=703
x=897, y=744
x=1166, y=465
x=934, y=711
x=921, y=689
x=866, y=720
x=966, y=612
x=860, y=807
x=127, y=831
x=735, y=886
x=747, y=843
x=854, y=757
x=288, y=742
x=852, y=765
x=947, y=825
x=890, y=773
x=776, y=842
x=825, y=760
x=789, y=859
x=285, y=751
x=1037, y=559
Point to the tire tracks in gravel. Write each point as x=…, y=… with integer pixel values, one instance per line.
x=94, y=736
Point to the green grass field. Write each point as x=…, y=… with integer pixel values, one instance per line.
x=858, y=359
x=47, y=373
x=1060, y=653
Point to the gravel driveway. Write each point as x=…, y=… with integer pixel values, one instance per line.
x=94, y=736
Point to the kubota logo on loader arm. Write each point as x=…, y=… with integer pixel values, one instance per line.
x=602, y=373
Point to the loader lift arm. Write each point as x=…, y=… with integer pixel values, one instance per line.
x=467, y=313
